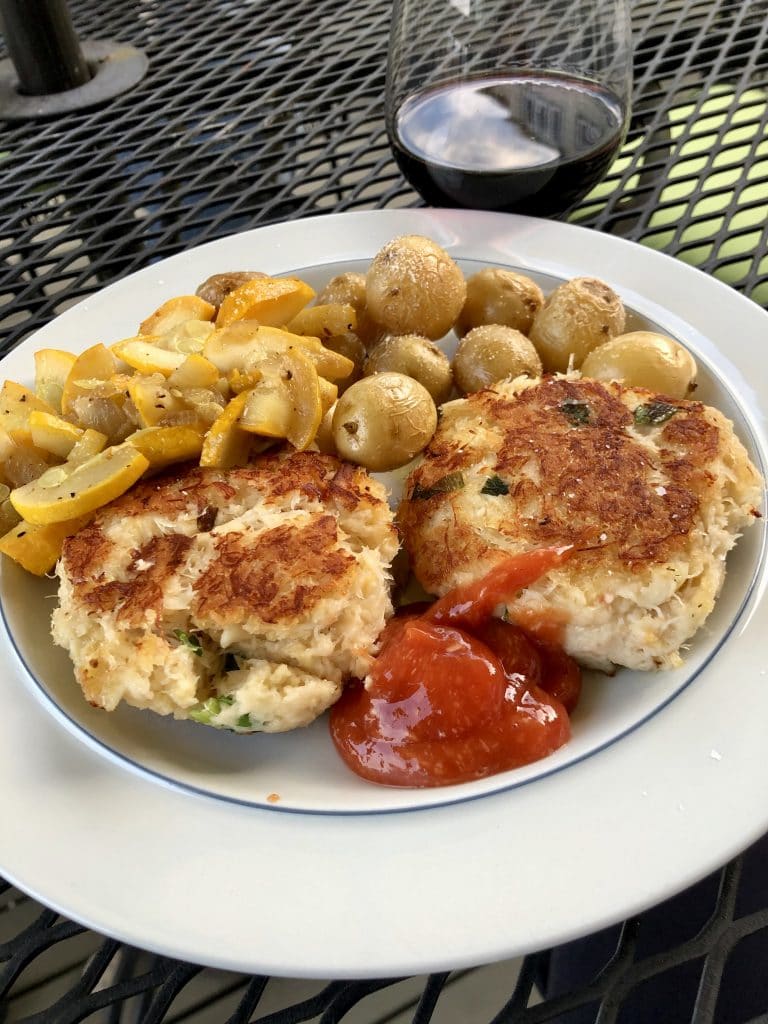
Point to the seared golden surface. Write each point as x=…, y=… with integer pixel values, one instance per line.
x=651, y=491
x=280, y=575
x=281, y=565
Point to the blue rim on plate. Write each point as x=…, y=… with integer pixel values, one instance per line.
x=443, y=796
x=387, y=895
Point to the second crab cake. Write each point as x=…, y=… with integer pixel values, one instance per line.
x=652, y=493
x=240, y=598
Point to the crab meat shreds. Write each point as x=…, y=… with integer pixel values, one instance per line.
x=651, y=491
x=251, y=594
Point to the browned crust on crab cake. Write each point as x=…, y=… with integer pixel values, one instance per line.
x=281, y=564
x=310, y=475
x=279, y=575
x=641, y=503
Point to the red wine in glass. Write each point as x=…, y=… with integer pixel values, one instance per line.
x=532, y=142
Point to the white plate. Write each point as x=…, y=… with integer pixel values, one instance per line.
x=665, y=776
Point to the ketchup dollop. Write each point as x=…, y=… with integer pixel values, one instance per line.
x=455, y=694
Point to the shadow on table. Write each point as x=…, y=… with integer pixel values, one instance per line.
x=701, y=955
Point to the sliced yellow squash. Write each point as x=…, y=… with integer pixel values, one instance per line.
x=52, y=367
x=162, y=446
x=91, y=443
x=96, y=364
x=177, y=311
x=194, y=372
x=268, y=411
x=187, y=337
x=153, y=399
x=53, y=434
x=226, y=444
x=6, y=445
x=328, y=364
x=325, y=321
x=229, y=347
x=285, y=402
x=270, y=300
x=145, y=357
x=328, y=393
x=16, y=405
x=304, y=388
x=38, y=548
x=239, y=381
x=240, y=345
x=64, y=492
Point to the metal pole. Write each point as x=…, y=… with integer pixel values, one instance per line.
x=43, y=46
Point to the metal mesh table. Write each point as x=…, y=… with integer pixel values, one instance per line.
x=253, y=113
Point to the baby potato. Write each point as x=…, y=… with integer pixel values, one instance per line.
x=334, y=323
x=346, y=289
x=383, y=421
x=499, y=296
x=414, y=287
x=643, y=359
x=216, y=288
x=415, y=357
x=349, y=346
x=492, y=353
x=579, y=315
x=349, y=290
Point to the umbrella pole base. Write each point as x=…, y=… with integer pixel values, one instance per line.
x=116, y=69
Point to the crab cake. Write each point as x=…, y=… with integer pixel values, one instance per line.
x=240, y=598
x=652, y=492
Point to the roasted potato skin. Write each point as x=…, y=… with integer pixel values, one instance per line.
x=491, y=353
x=217, y=287
x=414, y=287
x=347, y=289
x=577, y=316
x=416, y=357
x=644, y=359
x=383, y=421
x=499, y=296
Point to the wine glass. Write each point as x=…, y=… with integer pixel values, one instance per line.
x=515, y=105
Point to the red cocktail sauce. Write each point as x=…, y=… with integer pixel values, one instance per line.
x=456, y=694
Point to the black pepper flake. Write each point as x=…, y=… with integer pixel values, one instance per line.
x=494, y=485
x=575, y=411
x=446, y=484
x=654, y=413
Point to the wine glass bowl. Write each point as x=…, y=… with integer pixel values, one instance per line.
x=511, y=105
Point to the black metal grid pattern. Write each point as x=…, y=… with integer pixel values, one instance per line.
x=252, y=113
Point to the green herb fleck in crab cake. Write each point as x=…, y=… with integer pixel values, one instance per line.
x=651, y=491
x=240, y=598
